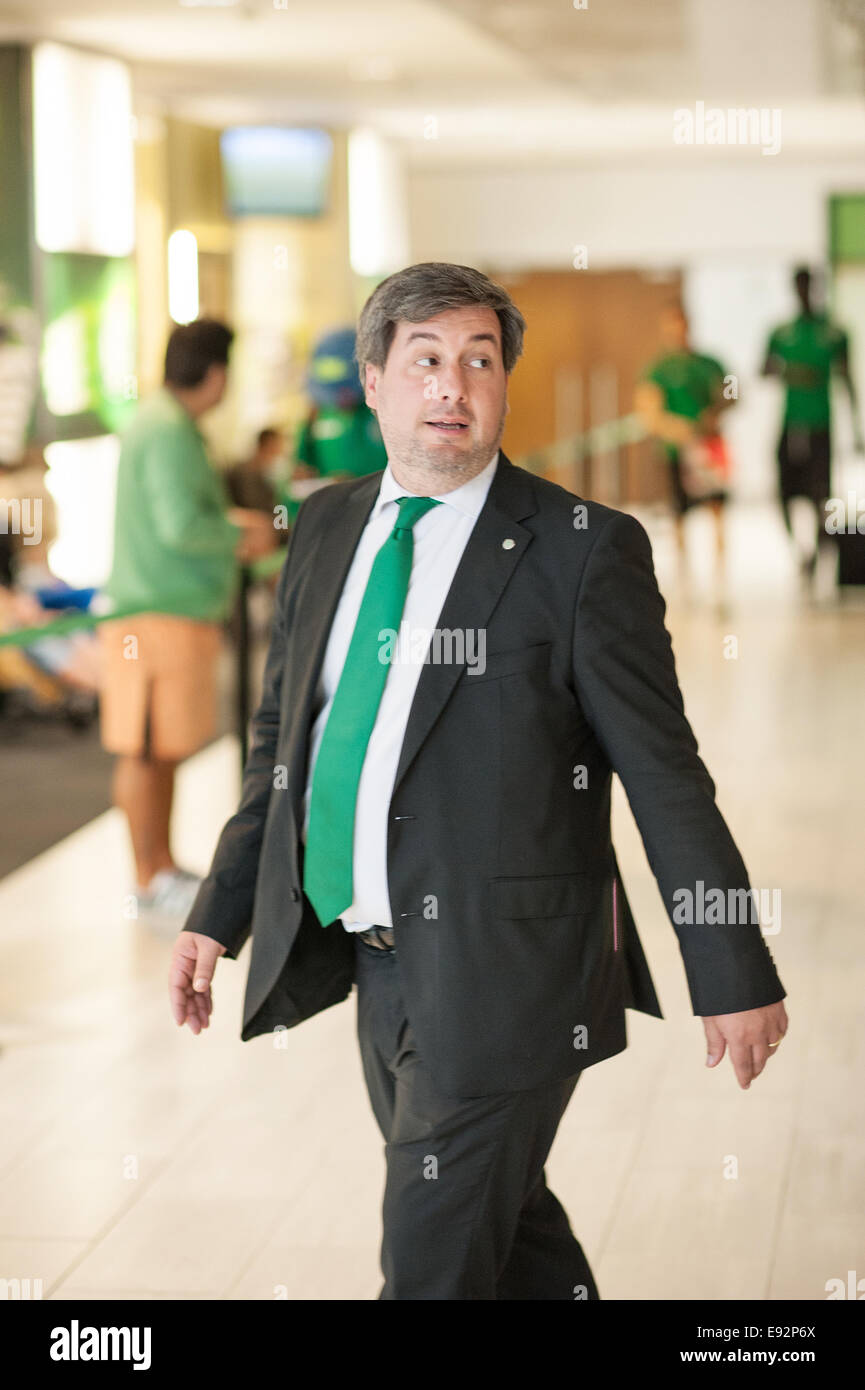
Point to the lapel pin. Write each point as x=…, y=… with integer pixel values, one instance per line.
x=508, y=544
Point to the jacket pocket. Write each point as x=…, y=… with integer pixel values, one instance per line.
x=509, y=663
x=557, y=895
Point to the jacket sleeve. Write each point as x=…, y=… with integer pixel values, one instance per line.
x=626, y=681
x=223, y=906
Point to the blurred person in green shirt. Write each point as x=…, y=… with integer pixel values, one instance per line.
x=803, y=354
x=177, y=546
x=680, y=398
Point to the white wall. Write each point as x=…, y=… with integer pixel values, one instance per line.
x=656, y=215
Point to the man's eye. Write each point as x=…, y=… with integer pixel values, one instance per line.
x=421, y=361
x=484, y=361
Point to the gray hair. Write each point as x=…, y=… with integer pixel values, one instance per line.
x=419, y=293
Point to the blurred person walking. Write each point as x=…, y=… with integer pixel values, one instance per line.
x=425, y=839
x=177, y=544
x=680, y=398
x=803, y=354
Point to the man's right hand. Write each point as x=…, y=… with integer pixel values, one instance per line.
x=193, y=962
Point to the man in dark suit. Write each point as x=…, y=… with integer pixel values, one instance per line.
x=462, y=656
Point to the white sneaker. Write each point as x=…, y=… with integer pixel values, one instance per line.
x=167, y=901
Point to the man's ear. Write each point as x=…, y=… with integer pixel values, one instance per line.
x=370, y=396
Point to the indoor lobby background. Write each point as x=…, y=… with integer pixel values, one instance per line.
x=269, y=163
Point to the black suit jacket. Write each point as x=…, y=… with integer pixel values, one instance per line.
x=515, y=940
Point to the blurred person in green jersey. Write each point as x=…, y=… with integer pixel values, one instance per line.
x=803, y=354
x=680, y=398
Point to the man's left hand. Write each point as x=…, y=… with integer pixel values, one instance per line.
x=749, y=1036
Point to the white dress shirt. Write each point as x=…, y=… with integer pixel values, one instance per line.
x=440, y=537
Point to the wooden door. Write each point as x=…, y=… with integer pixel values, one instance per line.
x=589, y=335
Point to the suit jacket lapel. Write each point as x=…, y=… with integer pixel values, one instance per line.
x=484, y=570
x=482, y=574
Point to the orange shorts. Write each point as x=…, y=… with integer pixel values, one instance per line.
x=158, y=697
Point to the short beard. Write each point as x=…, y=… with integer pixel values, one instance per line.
x=413, y=458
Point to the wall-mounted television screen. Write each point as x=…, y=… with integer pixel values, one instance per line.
x=276, y=171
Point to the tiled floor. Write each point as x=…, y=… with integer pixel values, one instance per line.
x=139, y=1161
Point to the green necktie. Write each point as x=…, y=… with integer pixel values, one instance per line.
x=328, y=856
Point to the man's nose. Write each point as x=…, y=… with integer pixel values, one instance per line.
x=450, y=384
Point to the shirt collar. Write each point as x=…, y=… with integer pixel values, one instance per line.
x=469, y=498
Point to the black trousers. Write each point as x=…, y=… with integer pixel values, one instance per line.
x=467, y=1213
x=804, y=464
